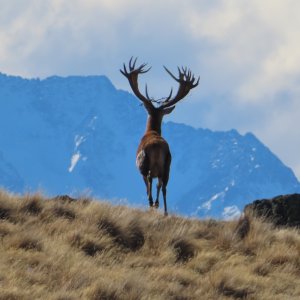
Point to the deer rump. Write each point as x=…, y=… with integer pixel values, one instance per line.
x=153, y=157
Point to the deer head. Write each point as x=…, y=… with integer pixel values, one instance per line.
x=186, y=81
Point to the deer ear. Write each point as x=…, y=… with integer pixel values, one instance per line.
x=168, y=110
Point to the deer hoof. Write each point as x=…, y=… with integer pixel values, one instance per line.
x=166, y=214
x=156, y=205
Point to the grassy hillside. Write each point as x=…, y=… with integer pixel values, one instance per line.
x=61, y=249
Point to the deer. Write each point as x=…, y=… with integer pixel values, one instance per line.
x=153, y=156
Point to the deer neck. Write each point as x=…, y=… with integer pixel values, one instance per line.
x=153, y=124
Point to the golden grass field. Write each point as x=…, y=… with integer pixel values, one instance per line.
x=60, y=249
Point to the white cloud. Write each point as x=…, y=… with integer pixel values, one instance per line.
x=254, y=39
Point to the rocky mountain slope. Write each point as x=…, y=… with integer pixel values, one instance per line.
x=78, y=135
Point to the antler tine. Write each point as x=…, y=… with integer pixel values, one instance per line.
x=132, y=65
x=182, y=73
x=130, y=61
x=145, y=71
x=197, y=82
x=170, y=95
x=146, y=91
x=142, y=70
x=124, y=71
x=171, y=74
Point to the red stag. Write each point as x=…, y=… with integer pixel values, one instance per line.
x=153, y=157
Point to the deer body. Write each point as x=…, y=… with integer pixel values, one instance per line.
x=153, y=157
x=153, y=160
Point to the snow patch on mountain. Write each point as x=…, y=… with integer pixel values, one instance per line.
x=207, y=205
x=231, y=212
x=78, y=140
x=74, y=160
x=93, y=122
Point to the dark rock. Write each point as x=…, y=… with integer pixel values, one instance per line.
x=64, y=198
x=283, y=210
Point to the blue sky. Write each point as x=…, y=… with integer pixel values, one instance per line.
x=247, y=53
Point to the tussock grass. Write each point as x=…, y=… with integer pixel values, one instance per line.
x=62, y=248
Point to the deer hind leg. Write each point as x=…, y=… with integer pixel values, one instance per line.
x=148, y=182
x=164, y=190
x=158, y=187
x=165, y=180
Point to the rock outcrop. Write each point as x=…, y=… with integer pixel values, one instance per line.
x=283, y=210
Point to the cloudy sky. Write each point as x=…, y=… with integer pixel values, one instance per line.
x=247, y=53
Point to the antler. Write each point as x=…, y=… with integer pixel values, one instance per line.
x=132, y=76
x=186, y=80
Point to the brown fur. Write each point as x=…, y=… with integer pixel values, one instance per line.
x=156, y=150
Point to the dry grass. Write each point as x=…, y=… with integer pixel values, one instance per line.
x=65, y=249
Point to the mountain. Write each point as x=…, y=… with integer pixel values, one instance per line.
x=78, y=135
